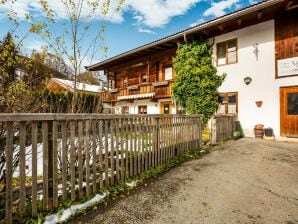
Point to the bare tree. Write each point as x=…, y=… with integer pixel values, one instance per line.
x=82, y=33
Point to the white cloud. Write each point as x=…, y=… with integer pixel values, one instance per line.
x=146, y=31
x=151, y=13
x=35, y=45
x=252, y=2
x=199, y=21
x=22, y=7
x=219, y=8
x=157, y=13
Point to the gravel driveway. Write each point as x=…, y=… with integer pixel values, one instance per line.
x=244, y=181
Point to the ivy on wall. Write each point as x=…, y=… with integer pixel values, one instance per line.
x=196, y=81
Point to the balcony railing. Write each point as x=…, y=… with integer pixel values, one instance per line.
x=157, y=90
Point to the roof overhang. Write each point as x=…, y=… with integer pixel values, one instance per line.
x=208, y=29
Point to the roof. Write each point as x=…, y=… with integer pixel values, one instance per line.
x=171, y=40
x=69, y=84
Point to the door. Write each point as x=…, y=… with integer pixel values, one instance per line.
x=166, y=107
x=289, y=111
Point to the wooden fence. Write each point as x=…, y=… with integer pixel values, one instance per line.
x=51, y=158
x=222, y=127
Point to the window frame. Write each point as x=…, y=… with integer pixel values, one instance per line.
x=226, y=99
x=123, y=81
x=226, y=52
x=140, y=106
x=165, y=68
x=123, y=108
x=141, y=78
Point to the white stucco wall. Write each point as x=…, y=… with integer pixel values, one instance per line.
x=264, y=87
x=152, y=107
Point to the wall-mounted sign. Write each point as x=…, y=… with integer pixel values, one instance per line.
x=287, y=67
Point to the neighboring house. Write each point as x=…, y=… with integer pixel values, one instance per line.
x=63, y=85
x=256, y=46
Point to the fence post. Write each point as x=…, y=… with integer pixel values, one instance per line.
x=200, y=132
x=213, y=131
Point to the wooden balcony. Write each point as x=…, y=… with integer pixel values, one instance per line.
x=151, y=90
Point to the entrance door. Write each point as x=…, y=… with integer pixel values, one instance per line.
x=166, y=107
x=289, y=111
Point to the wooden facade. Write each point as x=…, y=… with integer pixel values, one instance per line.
x=142, y=76
x=286, y=36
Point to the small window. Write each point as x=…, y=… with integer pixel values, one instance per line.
x=143, y=109
x=227, y=52
x=144, y=78
x=111, y=84
x=168, y=73
x=292, y=103
x=124, y=83
x=228, y=103
x=125, y=110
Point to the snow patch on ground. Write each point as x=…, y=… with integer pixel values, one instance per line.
x=67, y=213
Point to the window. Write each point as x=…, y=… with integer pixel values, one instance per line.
x=143, y=78
x=125, y=110
x=227, y=52
x=292, y=103
x=228, y=103
x=124, y=83
x=143, y=109
x=168, y=73
x=111, y=84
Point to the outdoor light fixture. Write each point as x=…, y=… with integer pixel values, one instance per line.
x=247, y=80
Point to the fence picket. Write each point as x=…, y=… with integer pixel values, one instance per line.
x=94, y=157
x=22, y=168
x=72, y=161
x=34, y=168
x=55, y=168
x=45, y=166
x=87, y=155
x=106, y=153
x=9, y=171
x=64, y=160
x=80, y=157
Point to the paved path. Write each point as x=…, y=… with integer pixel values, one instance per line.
x=244, y=181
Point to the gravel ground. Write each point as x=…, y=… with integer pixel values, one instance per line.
x=244, y=181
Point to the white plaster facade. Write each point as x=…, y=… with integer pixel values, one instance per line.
x=264, y=86
x=152, y=107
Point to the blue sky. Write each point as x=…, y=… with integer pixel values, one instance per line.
x=137, y=23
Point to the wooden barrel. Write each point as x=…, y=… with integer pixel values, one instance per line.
x=259, y=131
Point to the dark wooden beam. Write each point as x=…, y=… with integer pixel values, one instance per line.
x=291, y=6
x=260, y=15
x=205, y=32
x=184, y=38
x=221, y=27
x=239, y=21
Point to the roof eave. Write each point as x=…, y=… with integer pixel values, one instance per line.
x=180, y=34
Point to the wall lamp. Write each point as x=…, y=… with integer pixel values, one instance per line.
x=247, y=80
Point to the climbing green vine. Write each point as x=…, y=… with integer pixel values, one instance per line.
x=196, y=81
